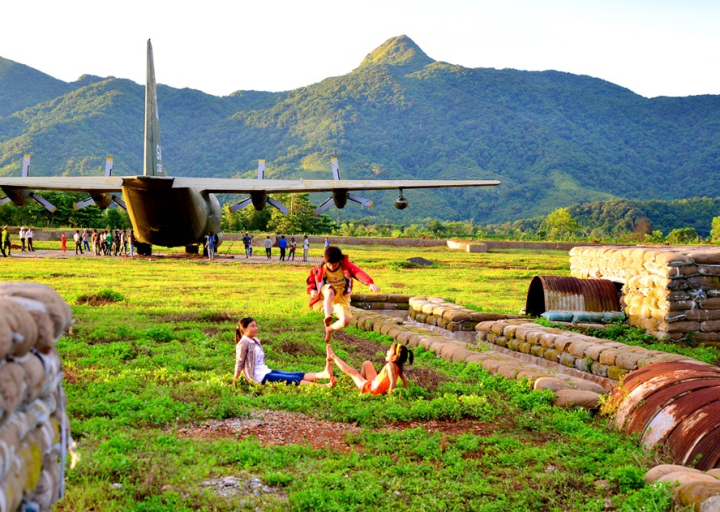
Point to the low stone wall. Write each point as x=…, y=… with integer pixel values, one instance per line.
x=671, y=292
x=596, y=356
x=34, y=429
x=379, y=301
x=436, y=311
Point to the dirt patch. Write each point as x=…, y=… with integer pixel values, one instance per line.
x=95, y=302
x=277, y=428
x=425, y=377
x=398, y=285
x=421, y=262
x=296, y=348
x=364, y=349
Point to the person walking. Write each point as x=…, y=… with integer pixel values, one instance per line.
x=78, y=242
x=210, y=245
x=131, y=241
x=306, y=248
x=94, y=239
x=5, y=242
x=109, y=243
x=86, y=244
x=293, y=248
x=22, y=238
x=327, y=242
x=246, y=242
x=268, y=247
x=63, y=243
x=282, y=244
x=29, y=237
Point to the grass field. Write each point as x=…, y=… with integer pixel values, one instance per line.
x=148, y=373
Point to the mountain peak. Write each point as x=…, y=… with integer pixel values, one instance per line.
x=398, y=51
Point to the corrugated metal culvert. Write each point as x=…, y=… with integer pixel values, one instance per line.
x=677, y=404
x=548, y=293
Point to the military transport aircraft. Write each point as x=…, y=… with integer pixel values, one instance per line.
x=175, y=211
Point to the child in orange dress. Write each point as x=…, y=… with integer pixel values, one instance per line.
x=368, y=380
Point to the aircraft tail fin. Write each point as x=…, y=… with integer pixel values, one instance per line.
x=153, y=148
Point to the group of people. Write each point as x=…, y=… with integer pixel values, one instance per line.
x=329, y=286
x=104, y=243
x=26, y=240
x=283, y=245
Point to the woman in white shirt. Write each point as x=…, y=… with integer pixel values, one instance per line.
x=250, y=361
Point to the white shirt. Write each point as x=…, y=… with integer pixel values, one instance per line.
x=22, y=233
x=261, y=369
x=306, y=244
x=76, y=237
x=28, y=233
x=268, y=243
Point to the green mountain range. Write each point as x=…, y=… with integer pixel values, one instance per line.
x=552, y=138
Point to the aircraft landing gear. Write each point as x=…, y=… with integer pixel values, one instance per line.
x=191, y=249
x=143, y=249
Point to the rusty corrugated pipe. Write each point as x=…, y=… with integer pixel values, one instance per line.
x=677, y=404
x=548, y=293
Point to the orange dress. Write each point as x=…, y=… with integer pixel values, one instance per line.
x=380, y=384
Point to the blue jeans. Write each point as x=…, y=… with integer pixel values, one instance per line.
x=286, y=377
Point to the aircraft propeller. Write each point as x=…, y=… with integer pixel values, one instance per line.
x=340, y=196
x=102, y=200
x=259, y=199
x=20, y=196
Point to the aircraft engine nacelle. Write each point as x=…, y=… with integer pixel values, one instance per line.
x=102, y=200
x=340, y=198
x=220, y=240
x=19, y=196
x=401, y=203
x=259, y=200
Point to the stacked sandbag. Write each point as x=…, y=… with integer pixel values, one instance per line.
x=437, y=311
x=34, y=428
x=603, y=358
x=381, y=302
x=670, y=292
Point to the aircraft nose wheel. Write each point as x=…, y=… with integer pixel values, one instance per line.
x=143, y=249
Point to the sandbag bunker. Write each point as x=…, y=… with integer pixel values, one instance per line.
x=34, y=428
x=670, y=292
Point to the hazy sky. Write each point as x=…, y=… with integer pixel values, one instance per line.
x=653, y=47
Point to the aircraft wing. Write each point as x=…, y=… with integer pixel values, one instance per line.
x=243, y=186
x=93, y=184
x=99, y=184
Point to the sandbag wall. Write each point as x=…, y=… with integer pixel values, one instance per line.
x=437, y=311
x=670, y=292
x=603, y=358
x=379, y=302
x=34, y=428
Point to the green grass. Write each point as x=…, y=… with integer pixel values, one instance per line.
x=157, y=357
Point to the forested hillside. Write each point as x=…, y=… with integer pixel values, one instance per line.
x=552, y=138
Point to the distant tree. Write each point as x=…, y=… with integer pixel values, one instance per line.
x=682, y=236
x=715, y=230
x=560, y=224
x=656, y=237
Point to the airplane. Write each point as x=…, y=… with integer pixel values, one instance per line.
x=173, y=211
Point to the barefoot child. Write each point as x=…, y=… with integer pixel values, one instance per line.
x=250, y=361
x=368, y=380
x=330, y=286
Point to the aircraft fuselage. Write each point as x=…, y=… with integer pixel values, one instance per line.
x=170, y=217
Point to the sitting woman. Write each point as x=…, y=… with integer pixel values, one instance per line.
x=250, y=360
x=368, y=380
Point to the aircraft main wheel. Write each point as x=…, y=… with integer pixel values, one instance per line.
x=191, y=249
x=143, y=249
